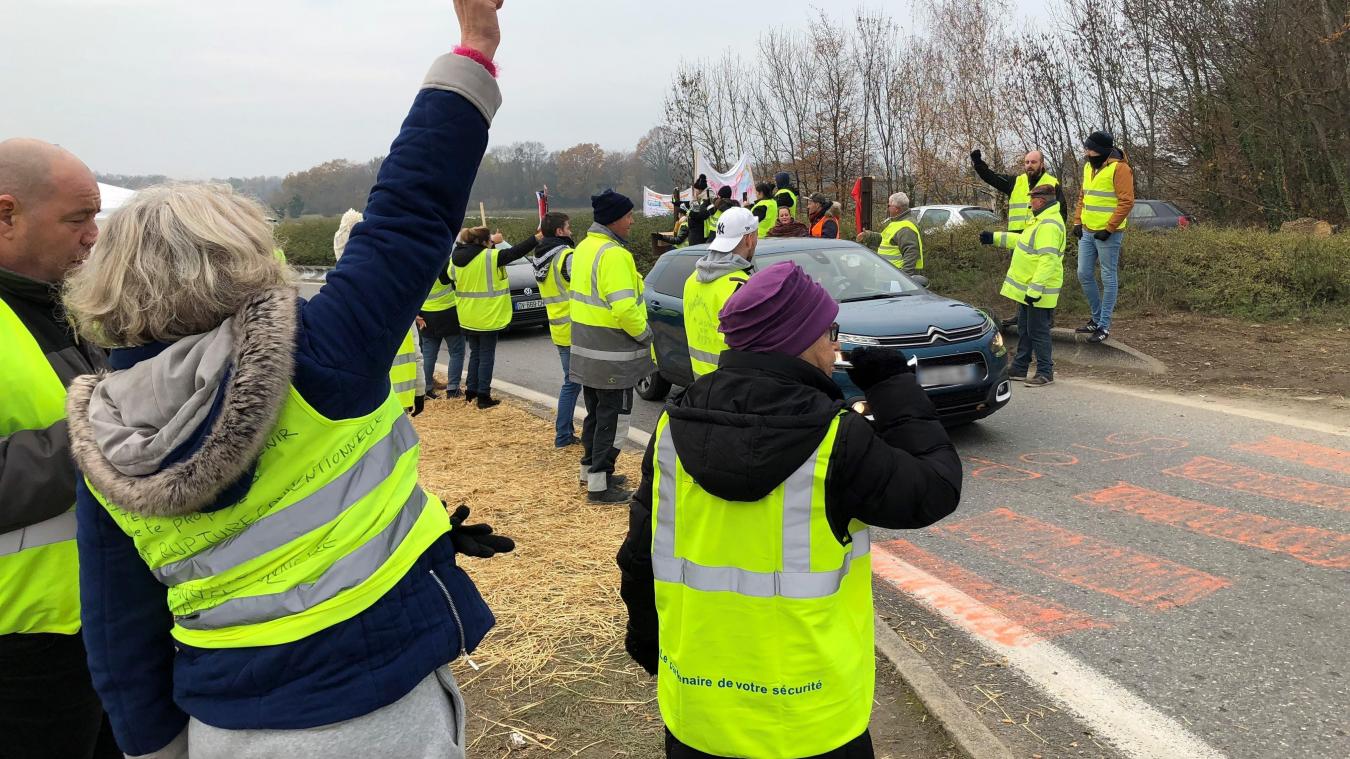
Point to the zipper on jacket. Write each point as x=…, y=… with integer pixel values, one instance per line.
x=454, y=612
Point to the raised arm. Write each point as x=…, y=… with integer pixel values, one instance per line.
x=415, y=210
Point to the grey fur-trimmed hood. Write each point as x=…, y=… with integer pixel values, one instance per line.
x=262, y=363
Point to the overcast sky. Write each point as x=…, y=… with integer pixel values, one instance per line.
x=197, y=89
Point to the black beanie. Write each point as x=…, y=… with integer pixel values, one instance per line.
x=609, y=206
x=781, y=179
x=1102, y=142
x=724, y=191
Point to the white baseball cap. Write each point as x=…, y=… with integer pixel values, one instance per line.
x=732, y=226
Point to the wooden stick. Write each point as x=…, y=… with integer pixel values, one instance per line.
x=482, y=212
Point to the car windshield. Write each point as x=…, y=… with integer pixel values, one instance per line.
x=849, y=275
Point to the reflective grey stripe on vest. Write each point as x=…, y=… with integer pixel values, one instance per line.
x=1034, y=288
x=441, y=293
x=403, y=387
x=58, y=529
x=1099, y=194
x=492, y=291
x=704, y=356
x=1018, y=206
x=554, y=300
x=302, y=517
x=591, y=353
x=1014, y=283
x=404, y=358
x=345, y=573
x=795, y=581
x=560, y=321
x=593, y=297
x=607, y=343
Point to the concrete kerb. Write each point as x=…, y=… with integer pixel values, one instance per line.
x=961, y=722
x=1109, y=354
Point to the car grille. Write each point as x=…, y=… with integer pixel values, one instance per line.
x=934, y=336
x=959, y=402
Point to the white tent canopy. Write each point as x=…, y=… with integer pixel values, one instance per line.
x=113, y=197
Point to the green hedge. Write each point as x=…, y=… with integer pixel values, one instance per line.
x=1243, y=273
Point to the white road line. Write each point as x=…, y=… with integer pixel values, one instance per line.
x=1220, y=405
x=1135, y=728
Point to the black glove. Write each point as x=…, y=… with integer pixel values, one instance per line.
x=1031, y=300
x=976, y=156
x=1103, y=235
x=476, y=539
x=986, y=238
x=1078, y=231
x=419, y=403
x=643, y=652
x=873, y=365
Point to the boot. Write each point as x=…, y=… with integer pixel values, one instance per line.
x=487, y=401
x=602, y=488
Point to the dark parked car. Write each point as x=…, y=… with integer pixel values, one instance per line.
x=527, y=304
x=963, y=363
x=1158, y=214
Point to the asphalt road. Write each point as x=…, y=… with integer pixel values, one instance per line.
x=1198, y=559
x=1179, y=576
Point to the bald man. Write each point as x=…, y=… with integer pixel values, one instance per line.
x=1018, y=186
x=48, y=708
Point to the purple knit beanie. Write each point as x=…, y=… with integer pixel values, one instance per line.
x=779, y=310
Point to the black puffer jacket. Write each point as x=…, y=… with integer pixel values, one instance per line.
x=740, y=431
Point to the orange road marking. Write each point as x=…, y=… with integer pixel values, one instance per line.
x=992, y=470
x=980, y=619
x=1312, y=545
x=1124, y=573
x=1244, y=479
x=1321, y=457
x=1039, y=615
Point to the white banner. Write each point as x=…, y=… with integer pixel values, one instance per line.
x=740, y=177
x=658, y=204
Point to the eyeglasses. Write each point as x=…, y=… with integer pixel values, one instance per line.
x=834, y=332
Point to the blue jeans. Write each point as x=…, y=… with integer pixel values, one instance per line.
x=567, y=401
x=482, y=357
x=1033, y=334
x=431, y=350
x=1103, y=254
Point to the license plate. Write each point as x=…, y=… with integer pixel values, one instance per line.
x=526, y=305
x=936, y=376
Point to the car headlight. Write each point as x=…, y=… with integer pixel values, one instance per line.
x=862, y=407
x=858, y=339
x=998, y=341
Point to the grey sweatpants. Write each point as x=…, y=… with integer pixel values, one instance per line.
x=428, y=723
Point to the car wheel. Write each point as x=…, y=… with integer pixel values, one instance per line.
x=653, y=387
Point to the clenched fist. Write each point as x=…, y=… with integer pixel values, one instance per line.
x=478, y=29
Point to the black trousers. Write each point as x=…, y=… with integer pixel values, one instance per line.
x=603, y=408
x=858, y=748
x=48, y=707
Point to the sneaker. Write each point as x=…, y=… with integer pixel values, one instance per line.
x=1099, y=335
x=574, y=440
x=1088, y=328
x=1017, y=376
x=613, y=494
x=487, y=401
x=1040, y=380
x=432, y=395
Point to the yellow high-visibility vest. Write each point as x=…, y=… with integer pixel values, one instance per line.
x=764, y=618
x=403, y=374
x=39, y=567
x=1099, y=197
x=770, y=207
x=890, y=249
x=1037, y=266
x=484, y=293
x=558, y=298
x=333, y=520
x=1019, y=201
x=703, y=302
x=442, y=296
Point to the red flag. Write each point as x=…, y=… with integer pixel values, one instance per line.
x=857, y=207
x=542, y=197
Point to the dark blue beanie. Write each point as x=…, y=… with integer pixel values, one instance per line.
x=610, y=206
x=781, y=179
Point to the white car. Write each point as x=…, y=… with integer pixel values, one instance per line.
x=932, y=217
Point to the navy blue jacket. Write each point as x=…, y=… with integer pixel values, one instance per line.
x=347, y=337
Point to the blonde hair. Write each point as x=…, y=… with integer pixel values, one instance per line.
x=175, y=260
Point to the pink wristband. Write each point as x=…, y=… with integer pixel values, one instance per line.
x=474, y=55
